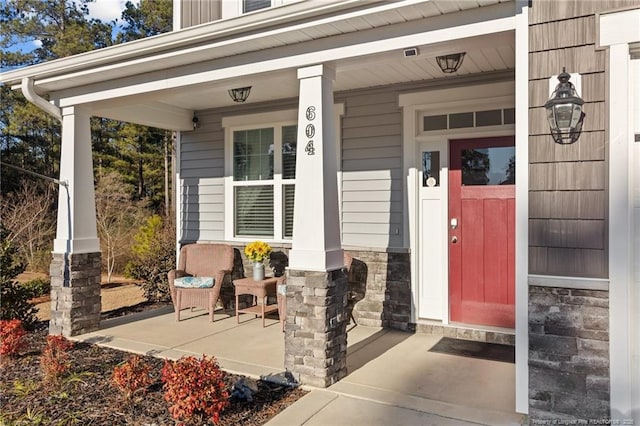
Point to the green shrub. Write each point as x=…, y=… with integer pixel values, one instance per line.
x=154, y=254
x=147, y=236
x=38, y=287
x=10, y=266
x=15, y=304
x=15, y=298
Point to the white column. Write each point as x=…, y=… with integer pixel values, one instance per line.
x=76, y=231
x=620, y=209
x=316, y=242
x=618, y=30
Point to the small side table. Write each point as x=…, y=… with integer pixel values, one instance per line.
x=258, y=289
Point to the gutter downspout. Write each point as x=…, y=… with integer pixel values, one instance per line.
x=28, y=90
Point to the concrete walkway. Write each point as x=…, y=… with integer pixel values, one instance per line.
x=393, y=378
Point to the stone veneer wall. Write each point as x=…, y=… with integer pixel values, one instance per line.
x=316, y=327
x=75, y=294
x=568, y=354
x=386, y=301
x=387, y=298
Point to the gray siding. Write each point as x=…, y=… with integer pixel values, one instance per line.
x=195, y=12
x=372, y=198
x=568, y=183
x=371, y=163
x=568, y=219
x=202, y=180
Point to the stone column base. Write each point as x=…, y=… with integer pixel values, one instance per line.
x=316, y=327
x=75, y=293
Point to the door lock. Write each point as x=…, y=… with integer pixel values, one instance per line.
x=454, y=223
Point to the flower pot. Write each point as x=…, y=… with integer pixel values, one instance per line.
x=258, y=271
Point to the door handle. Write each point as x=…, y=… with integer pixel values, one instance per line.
x=454, y=239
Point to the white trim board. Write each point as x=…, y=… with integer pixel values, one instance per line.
x=522, y=206
x=576, y=283
x=618, y=30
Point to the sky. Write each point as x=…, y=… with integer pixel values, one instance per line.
x=105, y=10
x=108, y=10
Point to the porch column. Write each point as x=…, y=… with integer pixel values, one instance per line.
x=315, y=331
x=75, y=268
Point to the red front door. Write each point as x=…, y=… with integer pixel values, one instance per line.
x=481, y=231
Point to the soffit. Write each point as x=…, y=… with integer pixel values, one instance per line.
x=222, y=40
x=484, y=55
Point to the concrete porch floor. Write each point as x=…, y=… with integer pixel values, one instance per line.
x=393, y=378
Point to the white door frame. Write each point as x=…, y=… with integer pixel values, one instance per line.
x=441, y=101
x=471, y=98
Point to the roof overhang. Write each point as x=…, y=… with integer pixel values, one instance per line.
x=161, y=80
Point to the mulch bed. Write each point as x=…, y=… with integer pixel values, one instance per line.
x=87, y=396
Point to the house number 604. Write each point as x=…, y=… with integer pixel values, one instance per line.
x=310, y=130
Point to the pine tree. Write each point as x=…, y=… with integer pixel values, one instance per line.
x=57, y=28
x=52, y=29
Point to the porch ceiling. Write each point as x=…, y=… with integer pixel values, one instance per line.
x=494, y=52
x=153, y=81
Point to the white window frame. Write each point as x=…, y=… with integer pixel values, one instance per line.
x=259, y=121
x=276, y=120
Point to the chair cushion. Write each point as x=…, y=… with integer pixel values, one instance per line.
x=194, y=282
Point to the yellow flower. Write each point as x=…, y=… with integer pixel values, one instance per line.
x=257, y=251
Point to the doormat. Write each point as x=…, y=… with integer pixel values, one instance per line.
x=470, y=349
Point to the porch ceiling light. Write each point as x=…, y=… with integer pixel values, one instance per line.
x=450, y=63
x=564, y=111
x=240, y=94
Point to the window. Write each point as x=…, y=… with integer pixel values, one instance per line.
x=251, y=5
x=260, y=174
x=435, y=122
x=489, y=166
x=466, y=120
x=232, y=8
x=431, y=168
x=264, y=170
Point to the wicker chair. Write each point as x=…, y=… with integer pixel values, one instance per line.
x=202, y=260
x=356, y=279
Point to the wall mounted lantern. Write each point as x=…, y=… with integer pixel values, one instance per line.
x=450, y=63
x=564, y=111
x=240, y=94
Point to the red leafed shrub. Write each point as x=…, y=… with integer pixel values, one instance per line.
x=132, y=376
x=195, y=389
x=54, y=361
x=11, y=333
